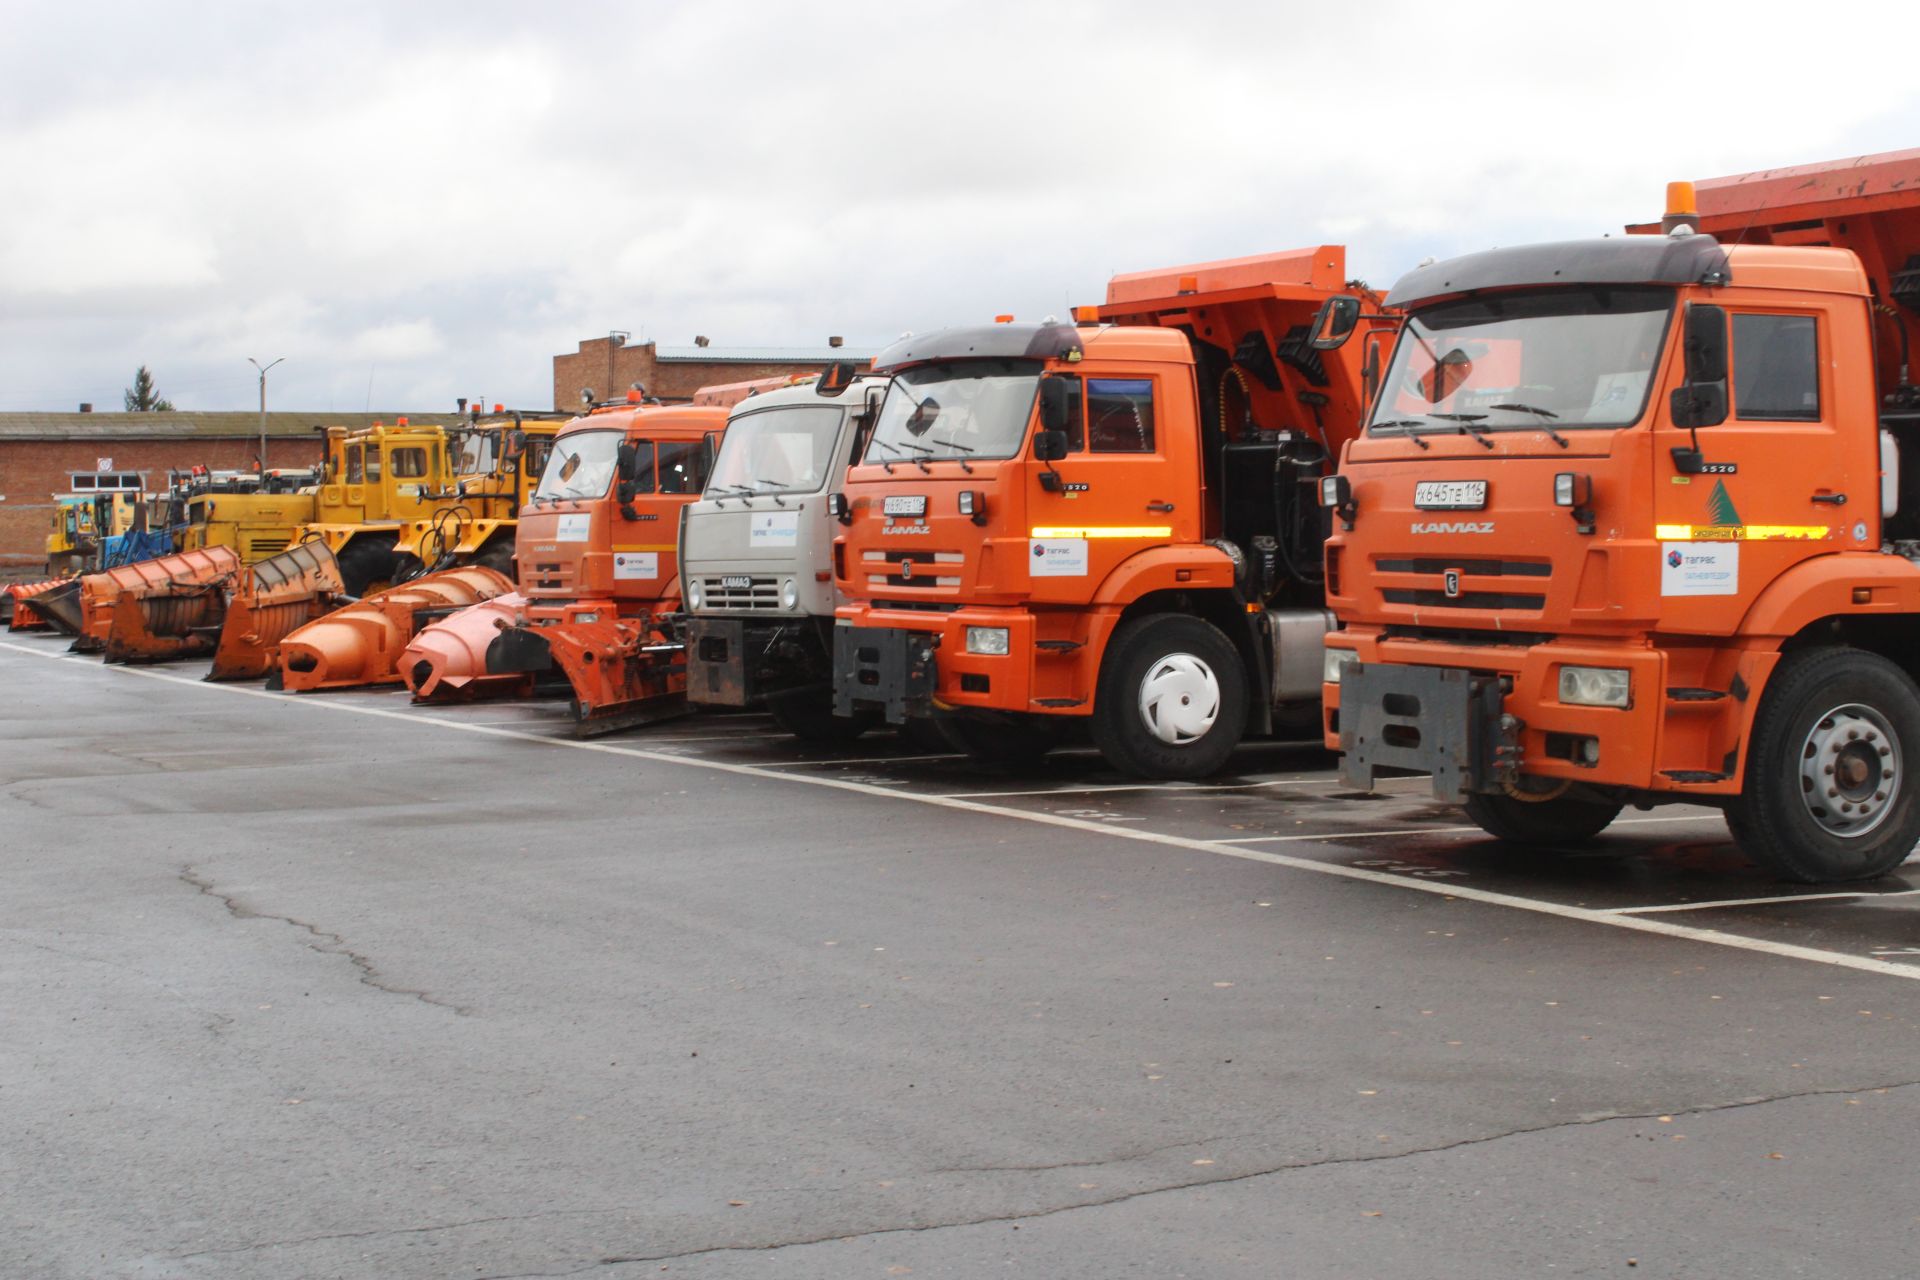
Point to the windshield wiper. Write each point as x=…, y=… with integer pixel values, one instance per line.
x=1407, y=425
x=1464, y=423
x=920, y=455
x=740, y=489
x=963, y=448
x=885, y=465
x=772, y=491
x=1553, y=435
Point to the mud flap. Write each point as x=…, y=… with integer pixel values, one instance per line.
x=1439, y=720
x=888, y=667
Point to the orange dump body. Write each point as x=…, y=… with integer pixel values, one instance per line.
x=361, y=643
x=447, y=661
x=18, y=615
x=268, y=600
x=598, y=563
x=90, y=609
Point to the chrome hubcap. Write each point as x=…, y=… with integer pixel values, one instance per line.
x=1850, y=770
x=1179, y=699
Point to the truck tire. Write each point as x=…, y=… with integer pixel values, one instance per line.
x=809, y=717
x=1562, y=820
x=1172, y=698
x=995, y=743
x=1826, y=798
x=366, y=566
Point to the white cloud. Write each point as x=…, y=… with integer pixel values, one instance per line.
x=433, y=199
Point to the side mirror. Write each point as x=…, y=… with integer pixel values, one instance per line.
x=1055, y=405
x=837, y=377
x=1049, y=445
x=1706, y=345
x=628, y=461
x=1334, y=323
x=516, y=444
x=1698, y=404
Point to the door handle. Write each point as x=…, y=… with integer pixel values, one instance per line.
x=1832, y=499
x=1159, y=506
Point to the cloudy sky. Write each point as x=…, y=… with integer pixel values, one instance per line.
x=412, y=202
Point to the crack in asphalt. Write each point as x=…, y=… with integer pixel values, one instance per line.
x=1191, y=1184
x=1083, y=1164
x=324, y=942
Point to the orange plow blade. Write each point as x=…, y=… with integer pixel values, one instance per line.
x=16, y=613
x=448, y=660
x=178, y=622
x=624, y=671
x=268, y=601
x=57, y=607
x=361, y=643
x=100, y=593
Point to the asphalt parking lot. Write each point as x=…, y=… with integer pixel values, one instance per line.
x=338, y=986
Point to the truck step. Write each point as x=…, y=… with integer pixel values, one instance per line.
x=1057, y=646
x=1695, y=775
x=1695, y=695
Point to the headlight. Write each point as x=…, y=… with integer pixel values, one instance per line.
x=789, y=594
x=585, y=618
x=988, y=640
x=696, y=596
x=1595, y=687
x=1335, y=663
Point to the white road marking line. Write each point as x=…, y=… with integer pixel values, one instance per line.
x=1170, y=787
x=804, y=764
x=1436, y=831
x=1443, y=889
x=1759, y=902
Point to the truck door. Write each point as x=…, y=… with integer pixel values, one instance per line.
x=1113, y=494
x=1776, y=483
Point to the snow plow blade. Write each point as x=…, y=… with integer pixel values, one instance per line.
x=99, y=593
x=14, y=610
x=361, y=643
x=447, y=661
x=57, y=607
x=624, y=671
x=180, y=621
x=268, y=601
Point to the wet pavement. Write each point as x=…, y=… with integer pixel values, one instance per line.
x=339, y=985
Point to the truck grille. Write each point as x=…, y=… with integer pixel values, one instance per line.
x=758, y=593
x=915, y=568
x=261, y=548
x=1422, y=581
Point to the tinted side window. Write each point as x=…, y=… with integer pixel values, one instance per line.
x=1776, y=368
x=356, y=470
x=642, y=465
x=1120, y=415
x=683, y=466
x=409, y=464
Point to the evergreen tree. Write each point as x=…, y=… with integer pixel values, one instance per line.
x=142, y=398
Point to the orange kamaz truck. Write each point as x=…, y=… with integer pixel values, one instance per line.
x=1108, y=523
x=598, y=562
x=1637, y=521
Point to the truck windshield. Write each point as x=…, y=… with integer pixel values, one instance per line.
x=966, y=409
x=581, y=465
x=477, y=452
x=1560, y=358
x=787, y=450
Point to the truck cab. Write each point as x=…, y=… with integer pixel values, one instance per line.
x=1624, y=510
x=756, y=553
x=496, y=465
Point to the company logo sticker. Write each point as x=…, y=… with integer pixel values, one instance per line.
x=1058, y=558
x=1700, y=569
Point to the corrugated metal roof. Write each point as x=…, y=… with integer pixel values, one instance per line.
x=763, y=355
x=192, y=425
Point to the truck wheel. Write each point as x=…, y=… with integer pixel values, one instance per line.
x=995, y=743
x=407, y=568
x=1826, y=796
x=1559, y=821
x=1172, y=698
x=809, y=717
x=497, y=556
x=365, y=566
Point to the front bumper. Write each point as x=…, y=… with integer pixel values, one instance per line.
x=1477, y=717
x=739, y=662
x=886, y=667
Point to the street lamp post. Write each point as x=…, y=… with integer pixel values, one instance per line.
x=263, y=407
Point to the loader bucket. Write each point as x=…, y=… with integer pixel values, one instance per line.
x=361, y=643
x=57, y=607
x=99, y=592
x=624, y=671
x=448, y=660
x=16, y=613
x=268, y=601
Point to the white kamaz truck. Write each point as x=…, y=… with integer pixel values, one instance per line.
x=756, y=553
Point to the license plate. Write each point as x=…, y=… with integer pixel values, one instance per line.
x=905, y=505
x=1450, y=495
x=736, y=582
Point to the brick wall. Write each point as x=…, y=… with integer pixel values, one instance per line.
x=635, y=362
x=32, y=471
